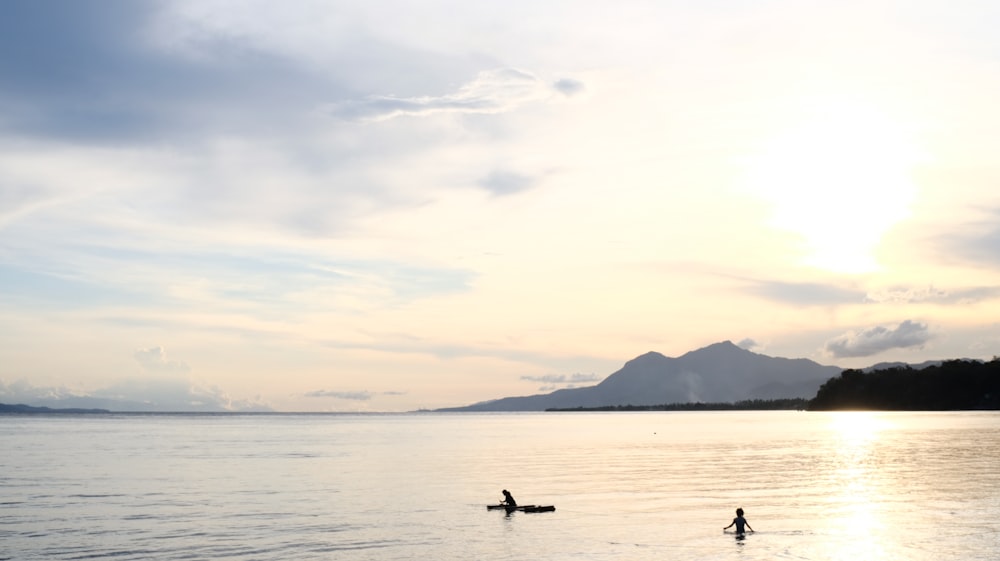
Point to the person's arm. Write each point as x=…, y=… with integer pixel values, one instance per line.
x=748, y=526
x=730, y=524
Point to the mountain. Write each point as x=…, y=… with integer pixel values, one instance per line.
x=21, y=409
x=721, y=372
x=919, y=366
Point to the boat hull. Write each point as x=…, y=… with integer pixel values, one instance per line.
x=522, y=508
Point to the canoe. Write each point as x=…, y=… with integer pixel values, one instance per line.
x=522, y=508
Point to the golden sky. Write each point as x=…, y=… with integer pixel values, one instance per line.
x=384, y=206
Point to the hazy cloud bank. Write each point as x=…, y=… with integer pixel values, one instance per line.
x=350, y=395
x=977, y=242
x=807, y=293
x=131, y=395
x=163, y=385
x=932, y=294
x=353, y=396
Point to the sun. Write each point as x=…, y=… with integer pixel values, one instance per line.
x=838, y=179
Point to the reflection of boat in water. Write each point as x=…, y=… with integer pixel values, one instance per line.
x=522, y=508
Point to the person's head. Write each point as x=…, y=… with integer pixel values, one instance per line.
x=505, y=492
x=739, y=512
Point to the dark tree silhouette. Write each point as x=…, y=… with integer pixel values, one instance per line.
x=952, y=385
x=794, y=403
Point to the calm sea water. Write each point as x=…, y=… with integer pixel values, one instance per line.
x=636, y=486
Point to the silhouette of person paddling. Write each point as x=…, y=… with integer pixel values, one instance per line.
x=508, y=499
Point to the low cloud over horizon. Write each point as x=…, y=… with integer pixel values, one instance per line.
x=557, y=381
x=130, y=396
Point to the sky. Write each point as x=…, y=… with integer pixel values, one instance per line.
x=387, y=205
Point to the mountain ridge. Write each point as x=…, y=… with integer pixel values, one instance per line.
x=720, y=372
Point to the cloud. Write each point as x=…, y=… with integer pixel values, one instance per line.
x=563, y=379
x=349, y=395
x=106, y=80
x=568, y=86
x=878, y=339
x=21, y=391
x=492, y=91
x=402, y=343
x=81, y=45
x=807, y=293
x=506, y=183
x=931, y=294
x=154, y=360
x=748, y=344
x=977, y=243
x=143, y=395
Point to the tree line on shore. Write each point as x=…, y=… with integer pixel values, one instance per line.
x=744, y=405
x=950, y=386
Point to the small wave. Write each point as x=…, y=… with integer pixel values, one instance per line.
x=139, y=553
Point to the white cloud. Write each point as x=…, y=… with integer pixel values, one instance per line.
x=154, y=360
x=878, y=339
x=492, y=91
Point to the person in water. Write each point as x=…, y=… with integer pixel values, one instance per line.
x=740, y=522
x=508, y=499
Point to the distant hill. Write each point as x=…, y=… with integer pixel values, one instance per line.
x=912, y=366
x=22, y=409
x=721, y=372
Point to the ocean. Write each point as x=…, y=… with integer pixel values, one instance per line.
x=856, y=486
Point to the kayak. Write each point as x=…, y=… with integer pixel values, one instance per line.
x=522, y=508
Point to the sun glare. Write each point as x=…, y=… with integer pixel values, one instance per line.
x=857, y=427
x=839, y=180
